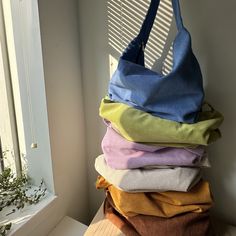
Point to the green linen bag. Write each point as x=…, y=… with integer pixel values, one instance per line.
x=138, y=126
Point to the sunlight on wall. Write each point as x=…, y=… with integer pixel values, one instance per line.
x=124, y=21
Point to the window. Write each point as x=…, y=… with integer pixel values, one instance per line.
x=24, y=124
x=9, y=148
x=24, y=132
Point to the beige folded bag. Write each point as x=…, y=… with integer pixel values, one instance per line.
x=150, y=180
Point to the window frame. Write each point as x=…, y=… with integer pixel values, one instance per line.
x=5, y=71
x=21, y=19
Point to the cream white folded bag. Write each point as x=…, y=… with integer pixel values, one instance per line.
x=149, y=180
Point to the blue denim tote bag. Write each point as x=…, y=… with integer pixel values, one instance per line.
x=177, y=96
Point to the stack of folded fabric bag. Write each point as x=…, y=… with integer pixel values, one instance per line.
x=154, y=148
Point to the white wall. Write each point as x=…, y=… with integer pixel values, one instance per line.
x=95, y=76
x=59, y=32
x=212, y=24
x=214, y=35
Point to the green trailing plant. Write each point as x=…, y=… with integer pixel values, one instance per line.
x=4, y=229
x=16, y=193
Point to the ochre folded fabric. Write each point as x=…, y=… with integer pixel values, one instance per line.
x=138, y=126
x=188, y=224
x=123, y=154
x=165, y=204
x=149, y=180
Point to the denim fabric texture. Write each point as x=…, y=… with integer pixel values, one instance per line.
x=177, y=96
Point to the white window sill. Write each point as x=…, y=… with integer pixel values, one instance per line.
x=69, y=227
x=23, y=221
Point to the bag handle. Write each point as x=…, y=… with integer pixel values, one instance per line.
x=177, y=14
x=148, y=21
x=150, y=18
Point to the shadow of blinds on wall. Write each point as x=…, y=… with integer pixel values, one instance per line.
x=124, y=21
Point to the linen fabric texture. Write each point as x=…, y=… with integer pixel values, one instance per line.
x=123, y=154
x=149, y=180
x=138, y=126
x=176, y=96
x=187, y=224
x=164, y=204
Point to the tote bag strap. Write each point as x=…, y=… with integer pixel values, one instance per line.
x=177, y=14
x=135, y=50
x=150, y=18
x=148, y=22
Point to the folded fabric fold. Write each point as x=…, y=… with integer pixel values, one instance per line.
x=149, y=180
x=138, y=126
x=187, y=224
x=165, y=204
x=123, y=154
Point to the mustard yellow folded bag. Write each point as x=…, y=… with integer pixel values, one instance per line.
x=138, y=126
x=165, y=204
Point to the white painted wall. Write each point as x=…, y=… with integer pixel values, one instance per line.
x=212, y=25
x=95, y=76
